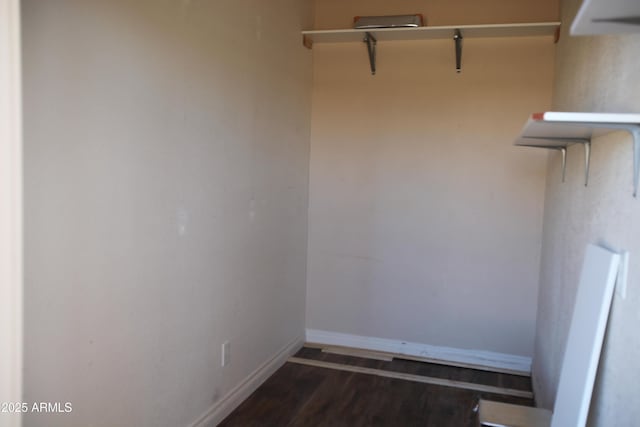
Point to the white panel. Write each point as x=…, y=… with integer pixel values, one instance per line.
x=10, y=211
x=588, y=325
x=607, y=17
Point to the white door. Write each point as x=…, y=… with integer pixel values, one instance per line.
x=10, y=211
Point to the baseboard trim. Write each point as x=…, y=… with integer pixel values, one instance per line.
x=476, y=359
x=222, y=408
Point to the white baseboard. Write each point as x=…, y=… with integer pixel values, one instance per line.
x=222, y=408
x=479, y=359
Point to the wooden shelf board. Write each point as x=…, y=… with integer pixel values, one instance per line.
x=439, y=32
x=558, y=129
x=550, y=128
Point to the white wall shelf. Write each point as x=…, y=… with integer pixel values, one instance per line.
x=371, y=36
x=557, y=130
x=607, y=17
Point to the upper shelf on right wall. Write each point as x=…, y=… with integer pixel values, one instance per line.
x=556, y=130
x=607, y=17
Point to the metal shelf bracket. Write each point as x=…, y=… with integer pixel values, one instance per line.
x=635, y=133
x=587, y=159
x=457, y=39
x=586, y=143
x=371, y=42
x=634, y=130
x=561, y=148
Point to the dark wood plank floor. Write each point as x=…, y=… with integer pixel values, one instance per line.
x=298, y=395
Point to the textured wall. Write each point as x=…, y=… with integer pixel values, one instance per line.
x=166, y=201
x=425, y=222
x=592, y=74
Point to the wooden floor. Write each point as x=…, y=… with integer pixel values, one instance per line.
x=300, y=395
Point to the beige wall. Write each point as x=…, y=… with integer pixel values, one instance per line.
x=166, y=202
x=592, y=74
x=424, y=221
x=333, y=14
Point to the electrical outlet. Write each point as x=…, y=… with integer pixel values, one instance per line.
x=225, y=353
